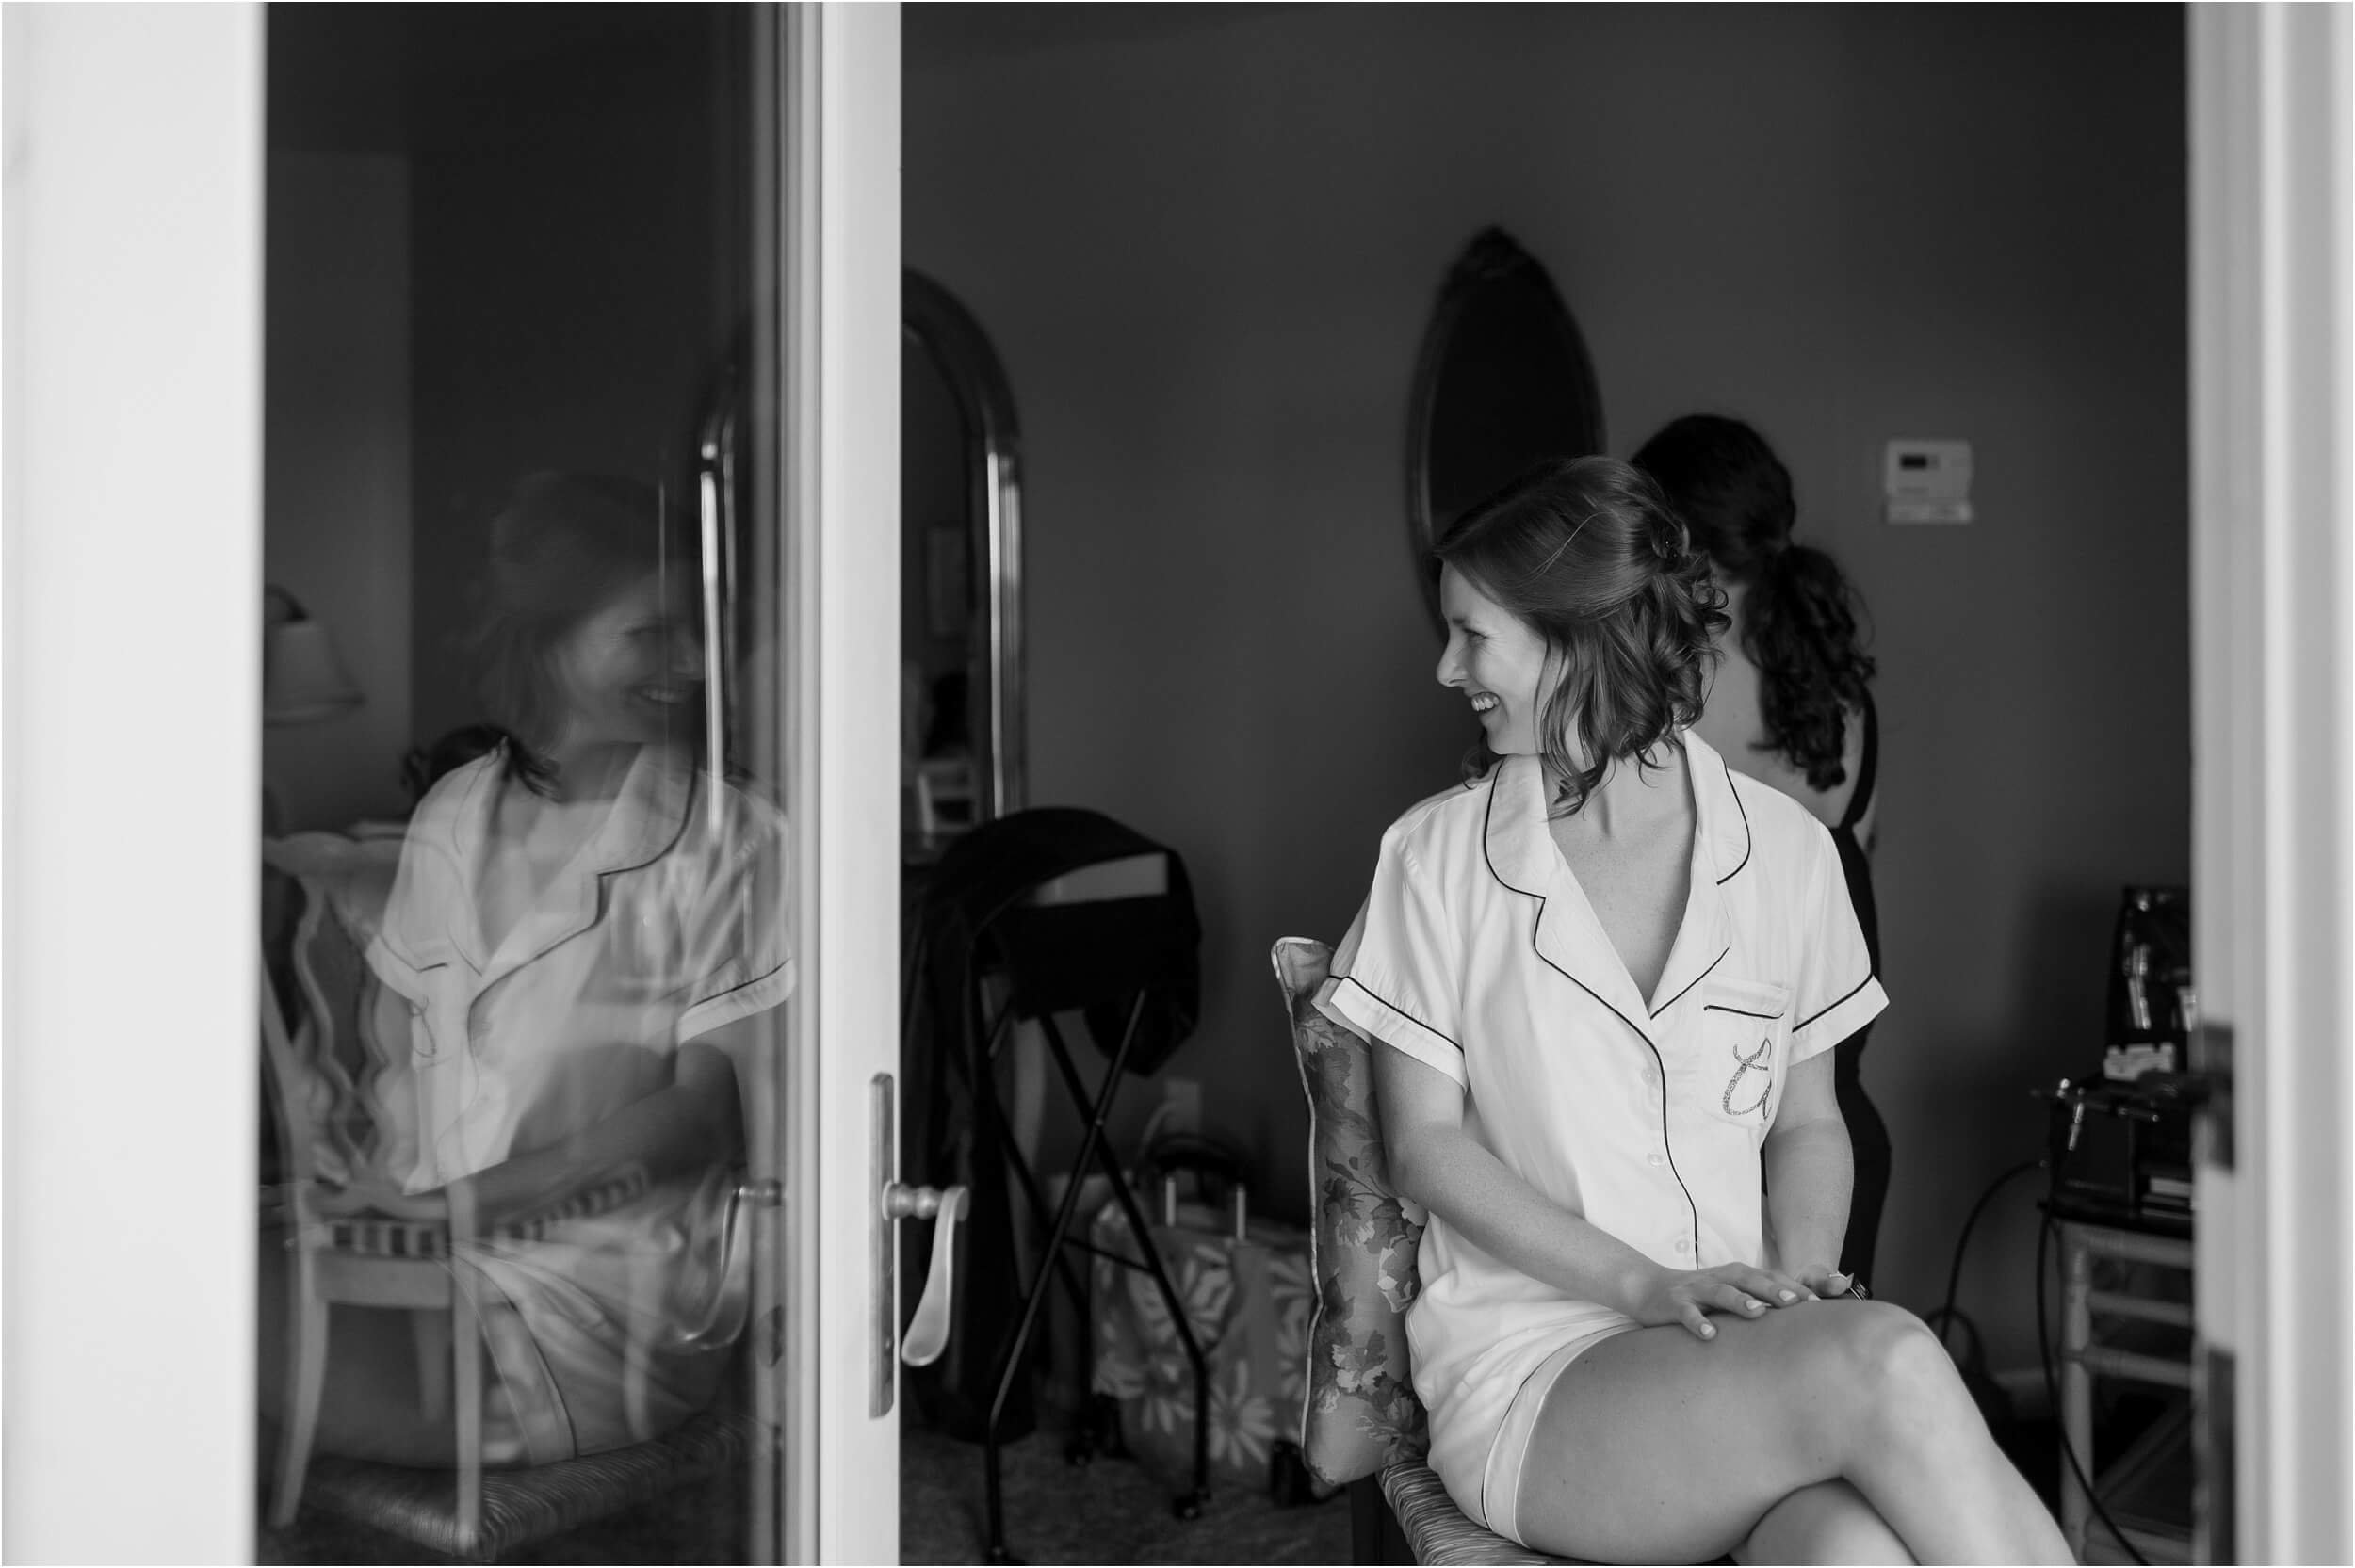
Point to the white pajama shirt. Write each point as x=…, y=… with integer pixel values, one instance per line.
x=1478, y=955
x=665, y=927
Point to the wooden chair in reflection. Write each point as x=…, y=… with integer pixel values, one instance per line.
x=326, y=1026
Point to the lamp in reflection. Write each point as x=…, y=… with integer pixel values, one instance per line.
x=302, y=682
x=302, y=675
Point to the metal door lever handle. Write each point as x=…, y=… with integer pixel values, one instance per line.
x=928, y=1330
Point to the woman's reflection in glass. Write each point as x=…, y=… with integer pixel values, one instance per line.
x=580, y=940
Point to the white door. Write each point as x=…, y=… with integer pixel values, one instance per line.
x=2274, y=709
x=317, y=346
x=842, y=274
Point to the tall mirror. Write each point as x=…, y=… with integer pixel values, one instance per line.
x=1502, y=381
x=961, y=575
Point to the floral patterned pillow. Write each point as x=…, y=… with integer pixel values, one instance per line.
x=1361, y=1413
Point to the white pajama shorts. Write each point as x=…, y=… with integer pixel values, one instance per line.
x=1482, y=1422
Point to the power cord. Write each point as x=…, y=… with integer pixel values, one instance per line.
x=2051, y=1392
x=1946, y=1313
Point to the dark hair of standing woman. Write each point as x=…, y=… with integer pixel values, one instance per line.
x=563, y=545
x=1801, y=617
x=1586, y=551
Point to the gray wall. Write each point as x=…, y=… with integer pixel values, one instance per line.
x=335, y=477
x=501, y=239
x=1207, y=257
x=574, y=300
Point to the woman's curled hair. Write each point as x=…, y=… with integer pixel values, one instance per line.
x=1587, y=551
x=1802, y=619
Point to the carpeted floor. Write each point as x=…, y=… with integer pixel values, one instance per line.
x=1110, y=1512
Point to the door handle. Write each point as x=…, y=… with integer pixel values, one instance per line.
x=895, y=1200
x=928, y=1330
x=2212, y=1063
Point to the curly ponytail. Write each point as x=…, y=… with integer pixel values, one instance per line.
x=1802, y=619
x=1799, y=627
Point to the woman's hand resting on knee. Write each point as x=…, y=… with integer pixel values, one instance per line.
x=1687, y=1295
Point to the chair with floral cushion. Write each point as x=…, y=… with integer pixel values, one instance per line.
x=1362, y=1425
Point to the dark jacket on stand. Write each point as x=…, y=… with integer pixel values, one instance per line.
x=966, y=920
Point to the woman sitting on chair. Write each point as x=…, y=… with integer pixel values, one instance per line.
x=583, y=927
x=1609, y=973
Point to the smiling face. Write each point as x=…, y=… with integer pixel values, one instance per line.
x=1497, y=660
x=632, y=670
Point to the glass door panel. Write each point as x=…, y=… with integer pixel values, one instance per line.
x=530, y=883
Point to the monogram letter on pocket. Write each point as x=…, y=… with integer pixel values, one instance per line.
x=1745, y=1024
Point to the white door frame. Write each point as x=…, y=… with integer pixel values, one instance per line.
x=134, y=185
x=841, y=350
x=133, y=689
x=2273, y=714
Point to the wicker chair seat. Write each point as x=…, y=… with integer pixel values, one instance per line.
x=1438, y=1530
x=520, y=1507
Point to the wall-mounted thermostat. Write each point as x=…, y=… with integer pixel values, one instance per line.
x=1927, y=481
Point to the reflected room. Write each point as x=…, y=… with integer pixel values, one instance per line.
x=526, y=918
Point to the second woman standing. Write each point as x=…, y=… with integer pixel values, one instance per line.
x=1789, y=704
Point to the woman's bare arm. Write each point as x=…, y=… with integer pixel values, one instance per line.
x=1435, y=1162
x=696, y=1123
x=1810, y=1175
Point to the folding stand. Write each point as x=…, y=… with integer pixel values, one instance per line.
x=1071, y=946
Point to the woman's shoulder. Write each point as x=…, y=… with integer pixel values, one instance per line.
x=433, y=844
x=449, y=793
x=738, y=824
x=1441, y=823
x=748, y=803
x=1783, y=831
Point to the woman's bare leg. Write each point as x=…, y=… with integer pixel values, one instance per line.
x=1829, y=1522
x=1657, y=1446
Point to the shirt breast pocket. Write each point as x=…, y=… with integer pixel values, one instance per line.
x=1745, y=1046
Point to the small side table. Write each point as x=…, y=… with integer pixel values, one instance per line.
x=2082, y=1358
